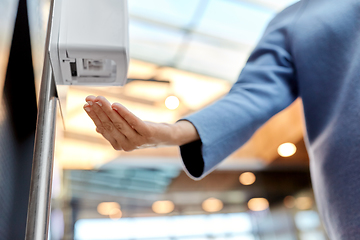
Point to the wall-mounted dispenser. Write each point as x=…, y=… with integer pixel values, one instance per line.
x=89, y=42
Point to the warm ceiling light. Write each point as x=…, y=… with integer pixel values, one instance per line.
x=258, y=204
x=105, y=208
x=212, y=205
x=289, y=201
x=287, y=149
x=247, y=178
x=163, y=206
x=115, y=213
x=303, y=203
x=172, y=102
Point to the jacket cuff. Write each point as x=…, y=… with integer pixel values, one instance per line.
x=191, y=154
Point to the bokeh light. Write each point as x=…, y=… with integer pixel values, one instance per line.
x=287, y=149
x=212, y=205
x=105, y=208
x=247, y=178
x=172, y=102
x=162, y=207
x=289, y=202
x=303, y=203
x=115, y=213
x=258, y=204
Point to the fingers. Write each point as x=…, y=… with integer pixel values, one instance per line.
x=111, y=125
x=90, y=99
x=99, y=128
x=118, y=123
x=134, y=122
x=107, y=125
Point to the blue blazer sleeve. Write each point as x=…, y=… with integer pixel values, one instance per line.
x=266, y=85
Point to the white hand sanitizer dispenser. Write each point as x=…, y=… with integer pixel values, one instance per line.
x=89, y=42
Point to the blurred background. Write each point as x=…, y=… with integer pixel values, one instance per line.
x=184, y=56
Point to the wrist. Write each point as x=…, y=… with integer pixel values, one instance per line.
x=183, y=132
x=163, y=134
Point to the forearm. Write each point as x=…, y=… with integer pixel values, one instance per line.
x=179, y=133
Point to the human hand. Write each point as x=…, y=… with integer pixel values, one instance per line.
x=123, y=129
x=127, y=132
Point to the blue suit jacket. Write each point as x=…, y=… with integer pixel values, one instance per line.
x=311, y=50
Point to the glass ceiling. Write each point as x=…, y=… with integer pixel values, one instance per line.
x=210, y=37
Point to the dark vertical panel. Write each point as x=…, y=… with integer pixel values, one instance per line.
x=19, y=88
x=18, y=113
x=8, y=164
